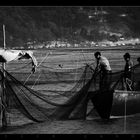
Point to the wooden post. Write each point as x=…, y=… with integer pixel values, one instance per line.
x=3, y=97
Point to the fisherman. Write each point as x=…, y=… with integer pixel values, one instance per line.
x=127, y=71
x=103, y=67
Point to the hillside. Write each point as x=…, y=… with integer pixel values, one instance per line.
x=40, y=24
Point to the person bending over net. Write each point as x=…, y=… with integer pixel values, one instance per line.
x=127, y=82
x=104, y=69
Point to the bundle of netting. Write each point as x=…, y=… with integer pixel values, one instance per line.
x=87, y=92
x=23, y=104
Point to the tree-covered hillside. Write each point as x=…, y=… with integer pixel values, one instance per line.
x=41, y=24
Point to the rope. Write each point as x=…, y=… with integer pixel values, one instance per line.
x=125, y=97
x=125, y=114
x=27, y=65
x=129, y=83
x=27, y=78
x=40, y=73
x=37, y=66
x=36, y=80
x=125, y=105
x=44, y=59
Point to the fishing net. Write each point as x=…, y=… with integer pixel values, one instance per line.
x=22, y=103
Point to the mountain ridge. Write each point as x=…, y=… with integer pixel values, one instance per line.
x=41, y=24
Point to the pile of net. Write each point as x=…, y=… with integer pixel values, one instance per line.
x=22, y=103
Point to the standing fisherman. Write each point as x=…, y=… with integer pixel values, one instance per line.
x=127, y=72
x=104, y=68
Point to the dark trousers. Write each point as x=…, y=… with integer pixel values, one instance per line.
x=105, y=80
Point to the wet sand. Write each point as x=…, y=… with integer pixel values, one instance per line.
x=88, y=126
